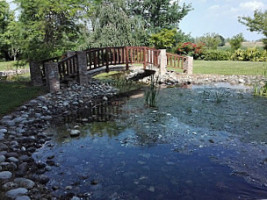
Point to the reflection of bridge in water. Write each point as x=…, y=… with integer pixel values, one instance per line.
x=97, y=111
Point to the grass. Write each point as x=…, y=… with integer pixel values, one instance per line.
x=244, y=45
x=15, y=92
x=229, y=67
x=5, y=66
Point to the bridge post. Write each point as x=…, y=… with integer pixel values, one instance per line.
x=52, y=76
x=107, y=59
x=162, y=61
x=144, y=52
x=36, y=74
x=71, y=53
x=82, y=66
x=188, y=65
x=127, y=58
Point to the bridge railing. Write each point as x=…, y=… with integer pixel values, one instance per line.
x=176, y=61
x=76, y=64
x=68, y=69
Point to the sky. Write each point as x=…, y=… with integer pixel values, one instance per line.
x=220, y=16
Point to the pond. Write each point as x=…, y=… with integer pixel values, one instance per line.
x=205, y=142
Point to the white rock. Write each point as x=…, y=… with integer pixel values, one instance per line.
x=74, y=133
x=3, y=130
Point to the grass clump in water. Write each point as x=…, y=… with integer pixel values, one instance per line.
x=151, y=92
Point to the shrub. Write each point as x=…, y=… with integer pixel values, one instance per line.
x=190, y=49
x=236, y=41
x=216, y=55
x=250, y=54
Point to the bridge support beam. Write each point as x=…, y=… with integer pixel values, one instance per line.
x=82, y=64
x=162, y=62
x=36, y=74
x=188, y=65
x=52, y=76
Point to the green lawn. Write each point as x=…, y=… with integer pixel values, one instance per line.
x=16, y=93
x=230, y=67
x=4, y=66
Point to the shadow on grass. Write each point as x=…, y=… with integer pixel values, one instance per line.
x=16, y=93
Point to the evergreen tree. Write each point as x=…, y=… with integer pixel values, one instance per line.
x=6, y=17
x=112, y=26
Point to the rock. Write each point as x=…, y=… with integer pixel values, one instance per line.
x=68, y=188
x=23, y=198
x=241, y=81
x=5, y=175
x=2, y=136
x=3, y=131
x=13, y=159
x=16, y=192
x=3, y=147
x=75, y=198
x=43, y=179
x=151, y=189
x=9, y=185
x=2, y=158
x=74, y=133
x=23, y=182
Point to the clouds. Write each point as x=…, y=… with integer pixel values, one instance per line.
x=221, y=16
x=252, y=5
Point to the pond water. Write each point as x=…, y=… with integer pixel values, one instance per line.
x=206, y=142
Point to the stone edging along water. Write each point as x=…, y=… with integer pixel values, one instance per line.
x=22, y=132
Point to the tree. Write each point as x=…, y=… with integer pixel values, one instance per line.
x=6, y=16
x=257, y=24
x=164, y=39
x=222, y=40
x=50, y=27
x=14, y=39
x=236, y=41
x=159, y=14
x=112, y=26
x=211, y=40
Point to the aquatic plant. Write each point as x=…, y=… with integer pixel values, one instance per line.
x=151, y=92
x=216, y=97
x=260, y=91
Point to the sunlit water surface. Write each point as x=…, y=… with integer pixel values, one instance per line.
x=207, y=142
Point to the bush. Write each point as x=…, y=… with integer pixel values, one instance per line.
x=190, y=49
x=250, y=54
x=216, y=55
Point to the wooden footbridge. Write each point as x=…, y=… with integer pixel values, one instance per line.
x=75, y=66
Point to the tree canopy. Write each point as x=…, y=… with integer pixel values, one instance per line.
x=257, y=23
x=48, y=28
x=6, y=17
x=159, y=14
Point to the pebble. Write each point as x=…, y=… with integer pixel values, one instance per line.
x=23, y=182
x=75, y=198
x=74, y=133
x=4, y=175
x=14, y=193
x=151, y=189
x=13, y=159
x=23, y=198
x=2, y=158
